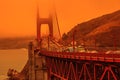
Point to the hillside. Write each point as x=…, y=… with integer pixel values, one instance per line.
x=103, y=31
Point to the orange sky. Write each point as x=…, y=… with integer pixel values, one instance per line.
x=18, y=17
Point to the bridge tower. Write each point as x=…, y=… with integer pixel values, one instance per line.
x=37, y=63
x=41, y=21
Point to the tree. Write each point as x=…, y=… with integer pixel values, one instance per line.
x=64, y=36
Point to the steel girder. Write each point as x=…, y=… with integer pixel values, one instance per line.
x=69, y=69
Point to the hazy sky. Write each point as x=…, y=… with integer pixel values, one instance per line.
x=18, y=17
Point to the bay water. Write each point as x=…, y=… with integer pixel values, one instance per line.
x=12, y=59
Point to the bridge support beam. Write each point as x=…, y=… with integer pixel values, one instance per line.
x=37, y=64
x=31, y=60
x=70, y=69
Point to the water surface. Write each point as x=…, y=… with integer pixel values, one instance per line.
x=14, y=59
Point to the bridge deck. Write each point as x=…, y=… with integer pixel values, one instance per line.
x=84, y=56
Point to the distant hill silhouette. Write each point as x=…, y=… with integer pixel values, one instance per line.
x=15, y=43
x=103, y=31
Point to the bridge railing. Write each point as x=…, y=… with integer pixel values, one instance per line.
x=83, y=56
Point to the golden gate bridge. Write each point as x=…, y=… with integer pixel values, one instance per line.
x=48, y=59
